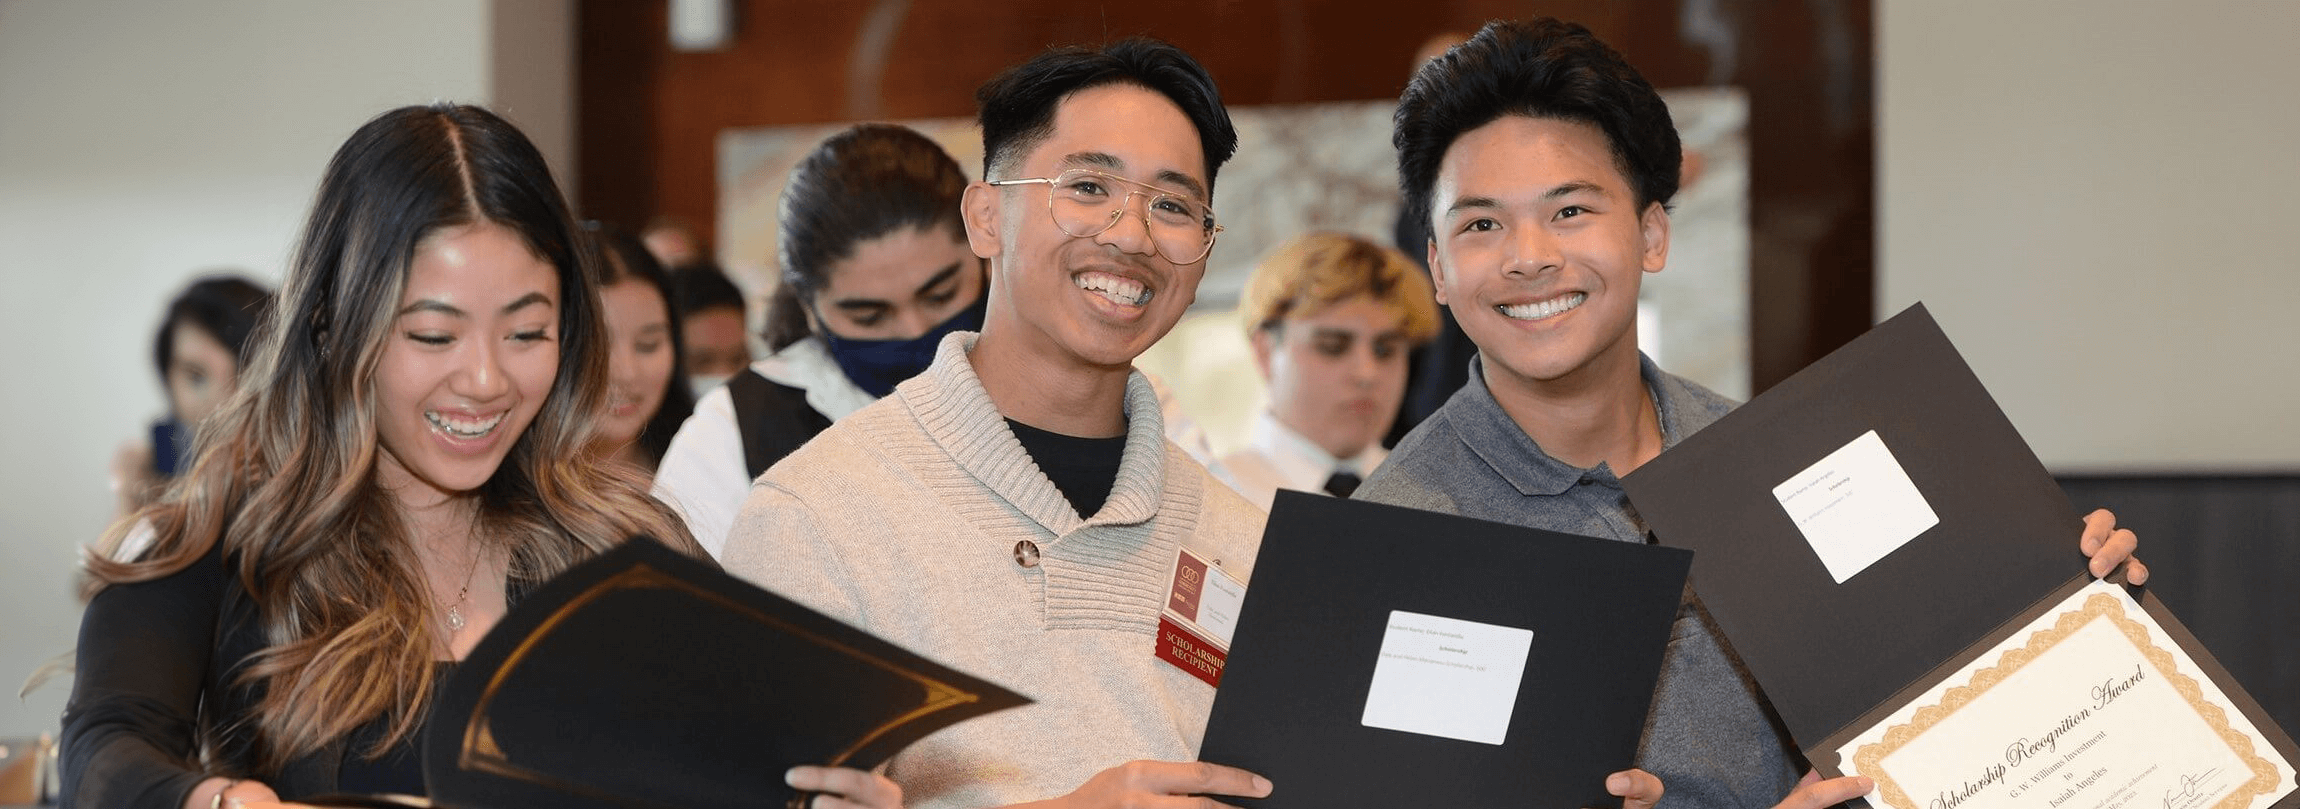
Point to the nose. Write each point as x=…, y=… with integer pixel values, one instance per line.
x=915, y=322
x=1130, y=230
x=622, y=364
x=1364, y=366
x=1535, y=250
x=481, y=378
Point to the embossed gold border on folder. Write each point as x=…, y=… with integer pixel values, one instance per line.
x=1869, y=759
x=481, y=752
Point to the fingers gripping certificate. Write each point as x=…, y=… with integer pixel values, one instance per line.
x=2090, y=706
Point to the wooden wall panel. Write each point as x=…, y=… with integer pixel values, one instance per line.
x=648, y=117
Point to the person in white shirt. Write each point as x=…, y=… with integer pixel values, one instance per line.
x=1332, y=317
x=875, y=270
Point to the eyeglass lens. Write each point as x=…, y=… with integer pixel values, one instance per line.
x=1086, y=203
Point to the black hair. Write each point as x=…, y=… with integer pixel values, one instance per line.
x=1018, y=106
x=702, y=286
x=865, y=182
x=1540, y=68
x=624, y=257
x=227, y=307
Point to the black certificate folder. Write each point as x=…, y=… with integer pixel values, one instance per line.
x=644, y=678
x=1392, y=657
x=1873, y=530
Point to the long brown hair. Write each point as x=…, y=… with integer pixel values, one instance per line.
x=285, y=472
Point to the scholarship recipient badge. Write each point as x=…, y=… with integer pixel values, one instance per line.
x=1201, y=612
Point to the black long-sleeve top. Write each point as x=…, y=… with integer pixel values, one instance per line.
x=159, y=663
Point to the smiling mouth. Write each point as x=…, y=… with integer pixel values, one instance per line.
x=1121, y=291
x=1543, y=310
x=463, y=428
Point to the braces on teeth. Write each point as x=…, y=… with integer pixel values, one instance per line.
x=459, y=431
x=1117, y=289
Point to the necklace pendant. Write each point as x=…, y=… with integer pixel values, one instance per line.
x=454, y=619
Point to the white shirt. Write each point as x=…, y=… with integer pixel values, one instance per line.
x=1276, y=458
x=703, y=475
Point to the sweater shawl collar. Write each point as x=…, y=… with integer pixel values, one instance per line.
x=957, y=414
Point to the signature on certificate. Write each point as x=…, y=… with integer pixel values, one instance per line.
x=2187, y=793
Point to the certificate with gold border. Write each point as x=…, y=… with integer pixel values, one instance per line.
x=2090, y=706
x=1900, y=574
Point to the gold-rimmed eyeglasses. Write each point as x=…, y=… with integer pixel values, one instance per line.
x=1084, y=203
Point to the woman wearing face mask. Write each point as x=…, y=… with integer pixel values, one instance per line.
x=405, y=456
x=202, y=344
x=647, y=395
x=876, y=269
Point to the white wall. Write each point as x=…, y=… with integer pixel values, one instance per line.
x=2098, y=201
x=141, y=142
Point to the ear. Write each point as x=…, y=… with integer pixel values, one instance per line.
x=814, y=321
x=1438, y=273
x=1654, y=226
x=978, y=207
x=1265, y=340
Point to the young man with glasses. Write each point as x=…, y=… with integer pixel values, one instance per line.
x=1543, y=165
x=1016, y=511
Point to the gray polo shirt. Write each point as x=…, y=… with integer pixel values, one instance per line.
x=1709, y=738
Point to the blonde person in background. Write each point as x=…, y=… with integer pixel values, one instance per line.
x=404, y=458
x=1332, y=318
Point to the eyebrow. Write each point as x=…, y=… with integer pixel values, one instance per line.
x=1466, y=203
x=1562, y=190
x=1572, y=188
x=445, y=308
x=1111, y=162
x=862, y=304
x=946, y=274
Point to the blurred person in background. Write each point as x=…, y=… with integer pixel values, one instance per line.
x=647, y=393
x=876, y=269
x=1333, y=318
x=673, y=243
x=713, y=330
x=202, y=344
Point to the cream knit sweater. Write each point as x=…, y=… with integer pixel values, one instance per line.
x=903, y=518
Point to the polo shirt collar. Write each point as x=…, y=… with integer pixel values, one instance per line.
x=1480, y=423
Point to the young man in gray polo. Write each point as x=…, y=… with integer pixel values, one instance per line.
x=1543, y=165
x=1015, y=511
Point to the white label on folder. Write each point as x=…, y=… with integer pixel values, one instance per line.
x=1445, y=677
x=1856, y=506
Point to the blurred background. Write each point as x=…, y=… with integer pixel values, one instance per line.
x=2092, y=197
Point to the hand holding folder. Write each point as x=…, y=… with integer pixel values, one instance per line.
x=1891, y=563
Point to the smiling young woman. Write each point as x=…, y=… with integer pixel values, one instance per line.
x=402, y=459
x=647, y=393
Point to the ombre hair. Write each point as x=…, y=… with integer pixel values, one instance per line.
x=285, y=480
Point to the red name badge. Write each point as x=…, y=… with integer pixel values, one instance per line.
x=1201, y=611
x=1190, y=652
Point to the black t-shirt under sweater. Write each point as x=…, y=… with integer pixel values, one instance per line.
x=1084, y=469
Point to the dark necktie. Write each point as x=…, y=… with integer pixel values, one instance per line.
x=1342, y=484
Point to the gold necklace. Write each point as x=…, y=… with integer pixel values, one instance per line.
x=455, y=620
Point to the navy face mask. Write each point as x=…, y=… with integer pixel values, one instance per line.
x=877, y=366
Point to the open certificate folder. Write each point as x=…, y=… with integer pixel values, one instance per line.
x=1900, y=574
x=644, y=678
